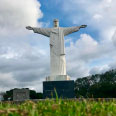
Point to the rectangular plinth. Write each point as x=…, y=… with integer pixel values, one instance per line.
x=64, y=89
x=20, y=94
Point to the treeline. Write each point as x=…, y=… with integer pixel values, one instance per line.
x=97, y=86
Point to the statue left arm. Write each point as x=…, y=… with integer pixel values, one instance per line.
x=42, y=31
x=69, y=30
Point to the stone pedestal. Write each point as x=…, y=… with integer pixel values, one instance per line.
x=64, y=89
x=58, y=78
x=21, y=94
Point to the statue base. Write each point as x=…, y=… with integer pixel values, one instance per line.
x=62, y=89
x=58, y=78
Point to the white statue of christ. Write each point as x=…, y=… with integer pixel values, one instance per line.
x=57, y=48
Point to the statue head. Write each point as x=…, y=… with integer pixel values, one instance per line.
x=56, y=23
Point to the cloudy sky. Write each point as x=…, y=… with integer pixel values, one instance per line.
x=24, y=56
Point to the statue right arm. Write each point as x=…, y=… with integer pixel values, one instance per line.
x=69, y=30
x=43, y=31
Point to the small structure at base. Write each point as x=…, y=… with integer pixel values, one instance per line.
x=21, y=94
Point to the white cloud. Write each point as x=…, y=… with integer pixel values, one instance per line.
x=23, y=57
x=87, y=51
x=99, y=69
x=7, y=81
x=97, y=14
x=97, y=17
x=79, y=54
x=15, y=15
x=86, y=48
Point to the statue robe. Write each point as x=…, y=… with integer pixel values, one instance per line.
x=57, y=47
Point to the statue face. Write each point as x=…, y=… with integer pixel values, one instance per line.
x=56, y=23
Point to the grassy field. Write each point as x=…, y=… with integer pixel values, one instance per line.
x=59, y=107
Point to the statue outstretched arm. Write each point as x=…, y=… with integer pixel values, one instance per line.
x=43, y=31
x=69, y=30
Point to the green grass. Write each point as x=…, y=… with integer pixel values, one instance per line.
x=59, y=107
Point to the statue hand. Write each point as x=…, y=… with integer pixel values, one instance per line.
x=83, y=26
x=29, y=28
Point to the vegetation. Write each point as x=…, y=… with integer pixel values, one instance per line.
x=97, y=86
x=59, y=108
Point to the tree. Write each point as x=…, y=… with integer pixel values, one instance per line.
x=34, y=95
x=97, y=86
x=8, y=95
